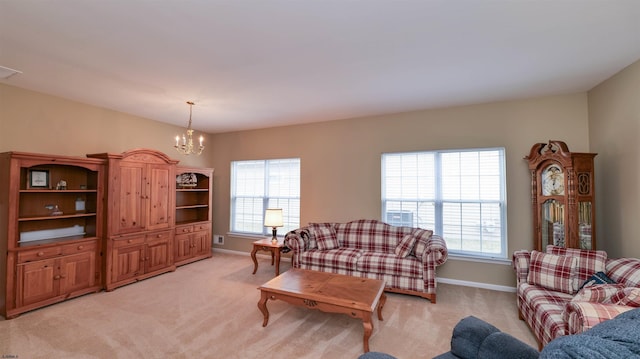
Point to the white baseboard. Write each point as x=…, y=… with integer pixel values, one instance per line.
x=500, y=288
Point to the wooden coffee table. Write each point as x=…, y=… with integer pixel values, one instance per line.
x=329, y=293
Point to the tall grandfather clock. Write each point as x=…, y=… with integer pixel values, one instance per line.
x=562, y=194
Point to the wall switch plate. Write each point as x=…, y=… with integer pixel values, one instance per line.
x=218, y=239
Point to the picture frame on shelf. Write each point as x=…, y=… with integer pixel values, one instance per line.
x=39, y=179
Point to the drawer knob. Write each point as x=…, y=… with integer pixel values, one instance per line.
x=130, y=241
x=80, y=247
x=40, y=254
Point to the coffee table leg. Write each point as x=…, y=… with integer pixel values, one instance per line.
x=262, y=305
x=381, y=302
x=368, y=329
x=255, y=261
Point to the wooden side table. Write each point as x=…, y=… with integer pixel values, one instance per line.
x=268, y=246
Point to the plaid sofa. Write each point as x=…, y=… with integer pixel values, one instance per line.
x=558, y=291
x=404, y=257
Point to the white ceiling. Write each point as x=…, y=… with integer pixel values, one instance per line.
x=262, y=63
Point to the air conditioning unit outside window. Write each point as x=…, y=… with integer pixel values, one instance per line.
x=400, y=218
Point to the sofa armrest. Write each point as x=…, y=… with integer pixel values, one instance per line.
x=432, y=250
x=474, y=338
x=581, y=316
x=521, y=261
x=468, y=336
x=298, y=241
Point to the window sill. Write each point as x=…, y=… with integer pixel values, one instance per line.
x=460, y=257
x=251, y=235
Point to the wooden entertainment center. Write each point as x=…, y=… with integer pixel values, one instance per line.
x=73, y=225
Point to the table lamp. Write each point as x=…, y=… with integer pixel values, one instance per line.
x=273, y=219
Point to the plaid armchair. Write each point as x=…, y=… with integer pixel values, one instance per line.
x=557, y=294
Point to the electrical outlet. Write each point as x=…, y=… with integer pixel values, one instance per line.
x=218, y=239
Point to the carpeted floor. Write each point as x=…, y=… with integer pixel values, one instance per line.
x=208, y=309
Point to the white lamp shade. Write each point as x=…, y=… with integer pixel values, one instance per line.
x=273, y=217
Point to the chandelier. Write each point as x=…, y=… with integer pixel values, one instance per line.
x=185, y=146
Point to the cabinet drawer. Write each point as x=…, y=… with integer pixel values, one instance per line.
x=160, y=235
x=184, y=229
x=37, y=254
x=202, y=227
x=79, y=247
x=127, y=241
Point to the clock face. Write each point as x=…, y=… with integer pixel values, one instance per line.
x=552, y=181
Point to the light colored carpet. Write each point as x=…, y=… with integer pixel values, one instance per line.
x=208, y=309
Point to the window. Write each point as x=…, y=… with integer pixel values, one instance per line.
x=261, y=184
x=459, y=194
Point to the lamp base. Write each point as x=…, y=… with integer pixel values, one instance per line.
x=274, y=239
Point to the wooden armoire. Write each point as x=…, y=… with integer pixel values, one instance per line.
x=140, y=216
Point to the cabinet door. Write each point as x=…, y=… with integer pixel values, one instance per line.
x=37, y=281
x=160, y=193
x=128, y=262
x=130, y=198
x=183, y=247
x=202, y=242
x=159, y=254
x=77, y=271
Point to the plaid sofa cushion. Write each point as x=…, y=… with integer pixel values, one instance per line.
x=553, y=272
x=325, y=236
x=589, y=261
x=405, y=246
x=334, y=258
x=312, y=238
x=370, y=235
x=625, y=271
x=384, y=263
x=543, y=310
x=423, y=236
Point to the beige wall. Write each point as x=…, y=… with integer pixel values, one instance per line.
x=35, y=122
x=614, y=120
x=340, y=162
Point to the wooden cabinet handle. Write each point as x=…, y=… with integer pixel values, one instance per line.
x=40, y=254
x=130, y=241
x=80, y=247
x=56, y=277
